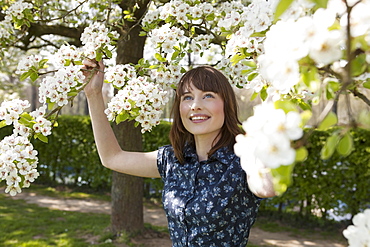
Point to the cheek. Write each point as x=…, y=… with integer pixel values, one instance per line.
x=219, y=111
x=183, y=108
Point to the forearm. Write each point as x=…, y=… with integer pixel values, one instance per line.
x=260, y=182
x=105, y=139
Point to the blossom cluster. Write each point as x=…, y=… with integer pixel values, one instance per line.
x=69, y=79
x=236, y=73
x=17, y=8
x=18, y=159
x=169, y=38
x=267, y=142
x=67, y=54
x=167, y=76
x=56, y=88
x=318, y=37
x=166, y=37
x=96, y=38
x=358, y=234
x=137, y=98
x=180, y=10
x=14, y=13
x=28, y=63
x=256, y=17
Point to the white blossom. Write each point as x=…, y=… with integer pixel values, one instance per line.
x=358, y=234
x=268, y=137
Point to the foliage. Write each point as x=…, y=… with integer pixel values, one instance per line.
x=152, y=141
x=70, y=156
x=340, y=184
x=264, y=46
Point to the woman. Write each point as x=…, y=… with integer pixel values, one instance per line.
x=206, y=195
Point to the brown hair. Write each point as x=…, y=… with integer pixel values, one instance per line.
x=207, y=79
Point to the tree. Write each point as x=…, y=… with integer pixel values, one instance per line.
x=291, y=54
x=32, y=38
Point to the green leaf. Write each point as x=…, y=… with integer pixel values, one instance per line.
x=50, y=105
x=34, y=76
x=42, y=63
x=330, y=120
x=210, y=17
x=26, y=116
x=305, y=116
x=253, y=96
x=301, y=154
x=345, y=145
x=67, y=62
x=308, y=75
x=282, y=178
x=98, y=56
x=285, y=105
x=123, y=116
x=329, y=147
x=236, y=58
x=41, y=137
x=159, y=57
x=251, y=76
x=367, y=84
x=249, y=63
x=108, y=53
x=25, y=122
x=358, y=65
x=25, y=75
x=321, y=3
x=263, y=94
x=2, y=123
x=175, y=55
x=282, y=6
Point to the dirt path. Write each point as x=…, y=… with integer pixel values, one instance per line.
x=157, y=217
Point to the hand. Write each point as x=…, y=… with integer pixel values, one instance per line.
x=94, y=76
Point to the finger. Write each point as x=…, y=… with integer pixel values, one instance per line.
x=90, y=63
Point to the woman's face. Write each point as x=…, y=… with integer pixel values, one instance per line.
x=202, y=113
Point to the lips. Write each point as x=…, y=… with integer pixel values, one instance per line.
x=199, y=118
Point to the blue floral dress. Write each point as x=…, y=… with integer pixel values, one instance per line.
x=207, y=203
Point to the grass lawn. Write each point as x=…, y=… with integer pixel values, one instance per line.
x=24, y=224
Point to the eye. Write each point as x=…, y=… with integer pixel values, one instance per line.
x=187, y=97
x=209, y=95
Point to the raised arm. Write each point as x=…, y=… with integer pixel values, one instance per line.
x=111, y=155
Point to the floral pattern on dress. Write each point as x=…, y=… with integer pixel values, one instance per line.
x=207, y=203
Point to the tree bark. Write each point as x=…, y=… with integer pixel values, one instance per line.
x=127, y=191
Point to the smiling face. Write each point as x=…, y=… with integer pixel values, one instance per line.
x=205, y=106
x=202, y=112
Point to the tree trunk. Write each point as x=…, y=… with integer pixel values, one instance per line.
x=127, y=191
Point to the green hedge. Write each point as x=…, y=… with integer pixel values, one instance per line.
x=340, y=183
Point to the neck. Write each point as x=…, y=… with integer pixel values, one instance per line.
x=203, y=146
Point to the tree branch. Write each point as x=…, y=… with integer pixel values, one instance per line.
x=38, y=30
x=361, y=96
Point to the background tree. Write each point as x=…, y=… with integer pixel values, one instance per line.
x=45, y=29
x=291, y=54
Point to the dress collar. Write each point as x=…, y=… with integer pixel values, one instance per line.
x=223, y=155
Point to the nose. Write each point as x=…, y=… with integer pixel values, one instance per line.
x=196, y=105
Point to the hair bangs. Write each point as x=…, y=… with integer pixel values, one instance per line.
x=204, y=79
